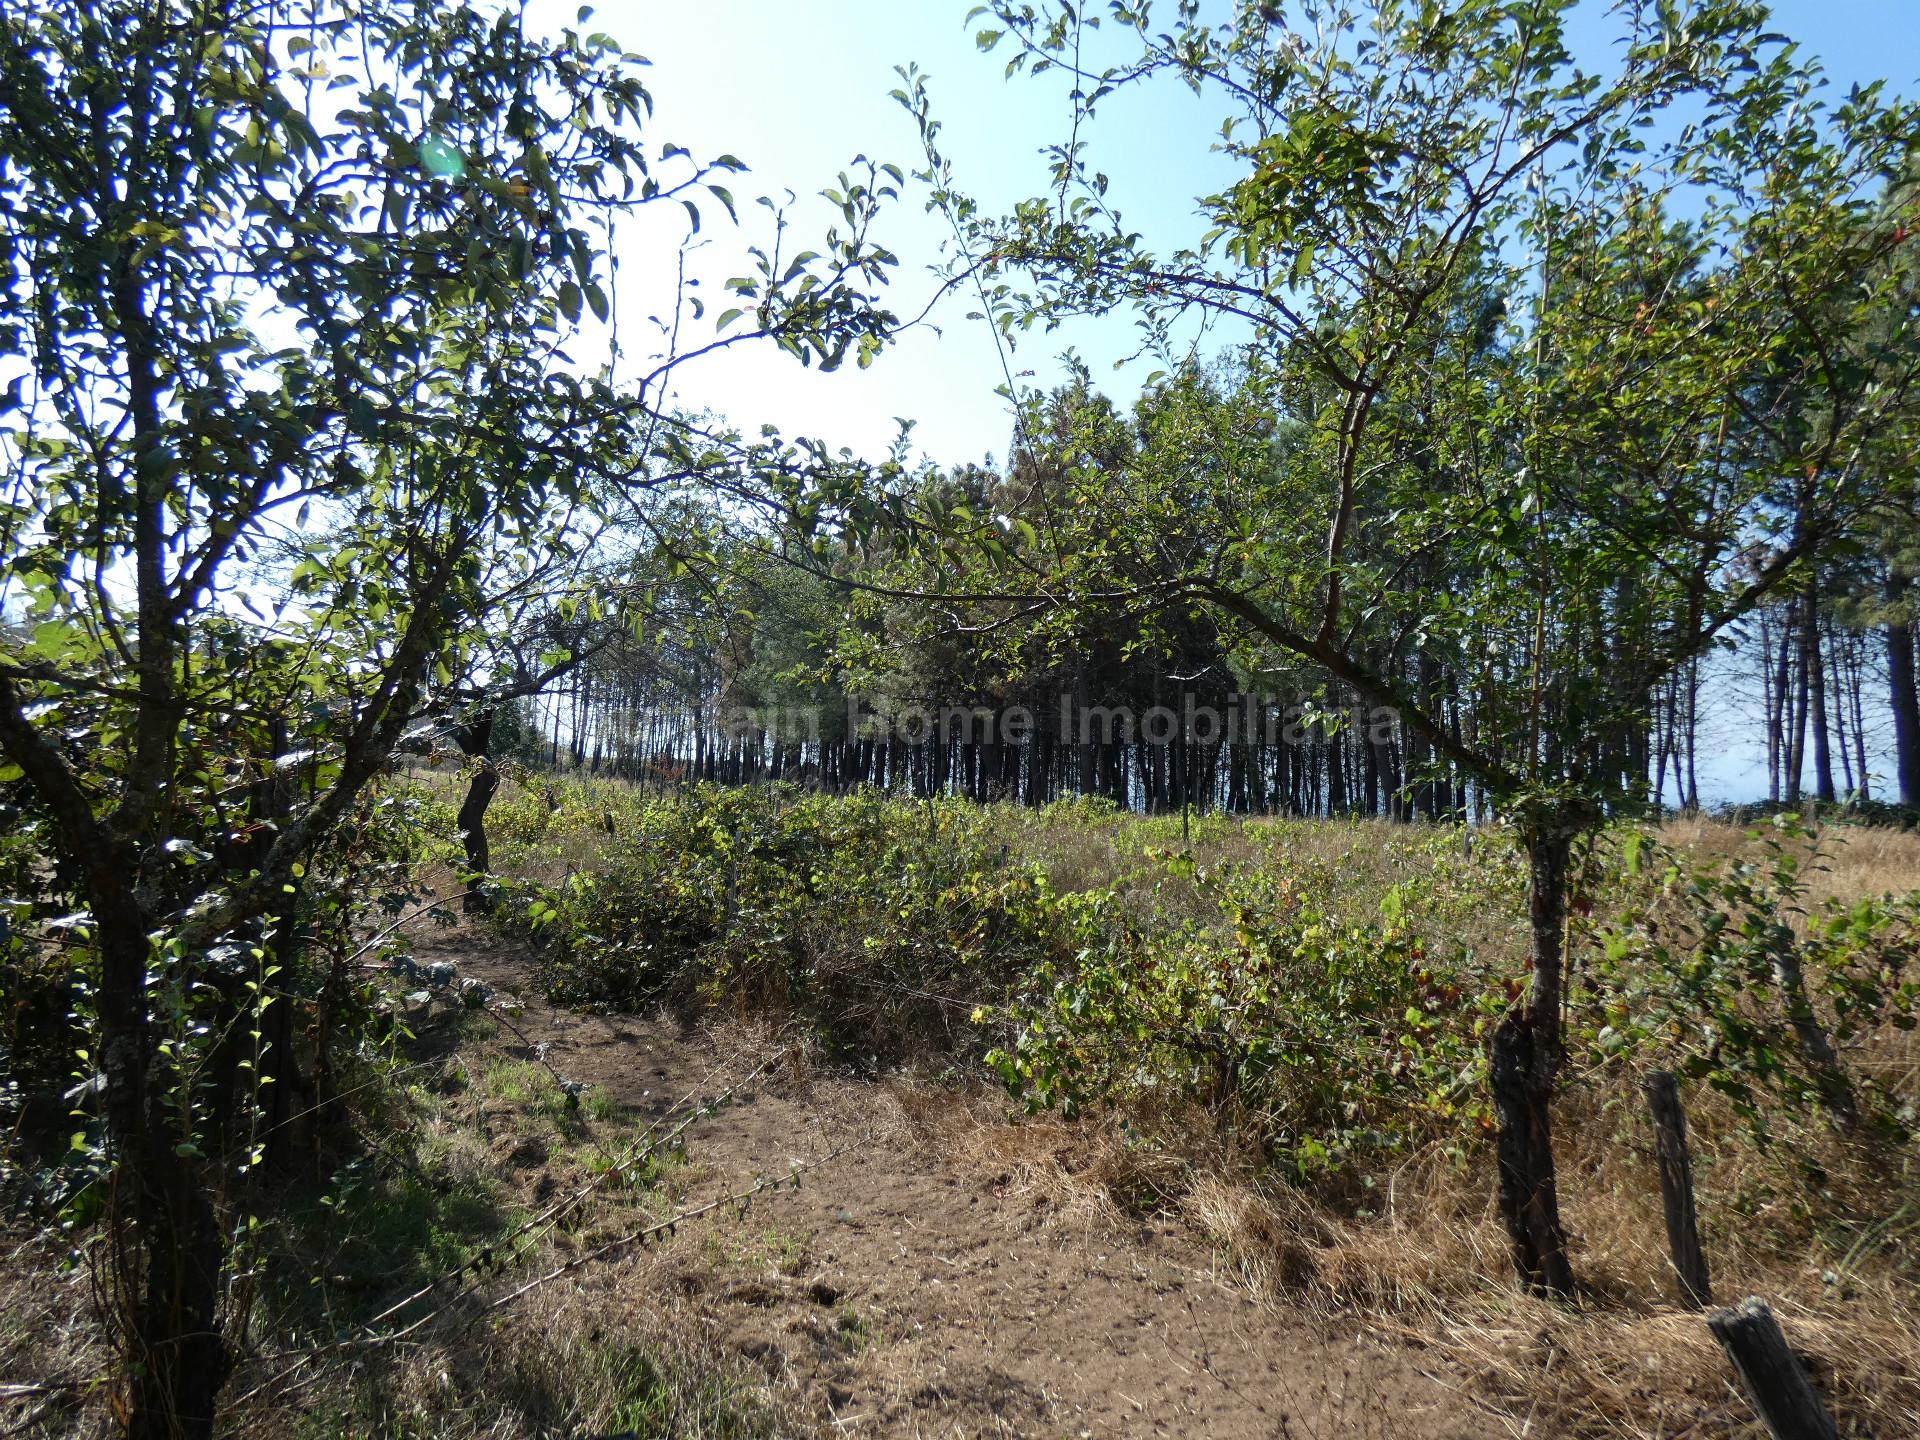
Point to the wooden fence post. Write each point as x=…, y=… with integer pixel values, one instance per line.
x=1676, y=1188
x=1771, y=1373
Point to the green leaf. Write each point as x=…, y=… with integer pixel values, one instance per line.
x=438, y=158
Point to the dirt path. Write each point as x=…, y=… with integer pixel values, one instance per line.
x=904, y=1296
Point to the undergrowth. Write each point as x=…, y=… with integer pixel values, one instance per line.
x=1282, y=1024
x=467, y=1168
x=479, y=1156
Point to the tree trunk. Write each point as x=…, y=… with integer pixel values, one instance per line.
x=1903, y=698
x=1816, y=1049
x=1772, y=688
x=181, y=1359
x=1795, y=702
x=170, y=1241
x=1836, y=667
x=1814, y=660
x=1525, y=1059
x=1856, y=713
x=1693, y=732
x=475, y=740
x=280, y=1063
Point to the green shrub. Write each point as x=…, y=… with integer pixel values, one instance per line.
x=1337, y=1043
x=1723, y=971
x=1325, y=991
x=880, y=923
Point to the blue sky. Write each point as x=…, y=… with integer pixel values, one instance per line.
x=798, y=90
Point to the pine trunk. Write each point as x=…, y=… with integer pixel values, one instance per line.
x=1903, y=698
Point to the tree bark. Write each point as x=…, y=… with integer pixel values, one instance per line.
x=1795, y=703
x=181, y=1360
x=475, y=740
x=1524, y=1062
x=1813, y=660
x=1816, y=1049
x=1904, y=699
x=1856, y=714
x=1692, y=735
x=169, y=1237
x=1773, y=688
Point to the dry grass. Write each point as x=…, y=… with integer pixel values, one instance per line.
x=1095, y=1168
x=463, y=1153
x=1827, y=1229
x=48, y=1340
x=586, y=1358
x=606, y=1351
x=1431, y=1267
x=1856, y=862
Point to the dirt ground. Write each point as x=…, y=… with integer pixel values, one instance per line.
x=902, y=1290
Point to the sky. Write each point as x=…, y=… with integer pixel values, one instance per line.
x=797, y=90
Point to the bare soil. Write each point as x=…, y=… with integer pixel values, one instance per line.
x=907, y=1290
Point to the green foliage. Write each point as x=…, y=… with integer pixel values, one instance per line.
x=388, y=1232
x=1339, y=1041
x=1504, y=435
x=628, y=1384
x=879, y=922
x=1718, y=969
x=1328, y=1006
x=297, y=468
x=1510, y=529
x=1251, y=987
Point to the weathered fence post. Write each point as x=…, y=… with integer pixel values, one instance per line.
x=1771, y=1373
x=1676, y=1188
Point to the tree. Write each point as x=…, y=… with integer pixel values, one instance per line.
x=292, y=281
x=1589, y=492
x=1884, y=594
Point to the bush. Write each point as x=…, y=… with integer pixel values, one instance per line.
x=1723, y=971
x=1324, y=991
x=1334, y=1044
x=881, y=924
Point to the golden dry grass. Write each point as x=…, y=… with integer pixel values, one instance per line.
x=610, y=1354
x=1826, y=1228
x=50, y=1344
x=1626, y=1360
x=1857, y=862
